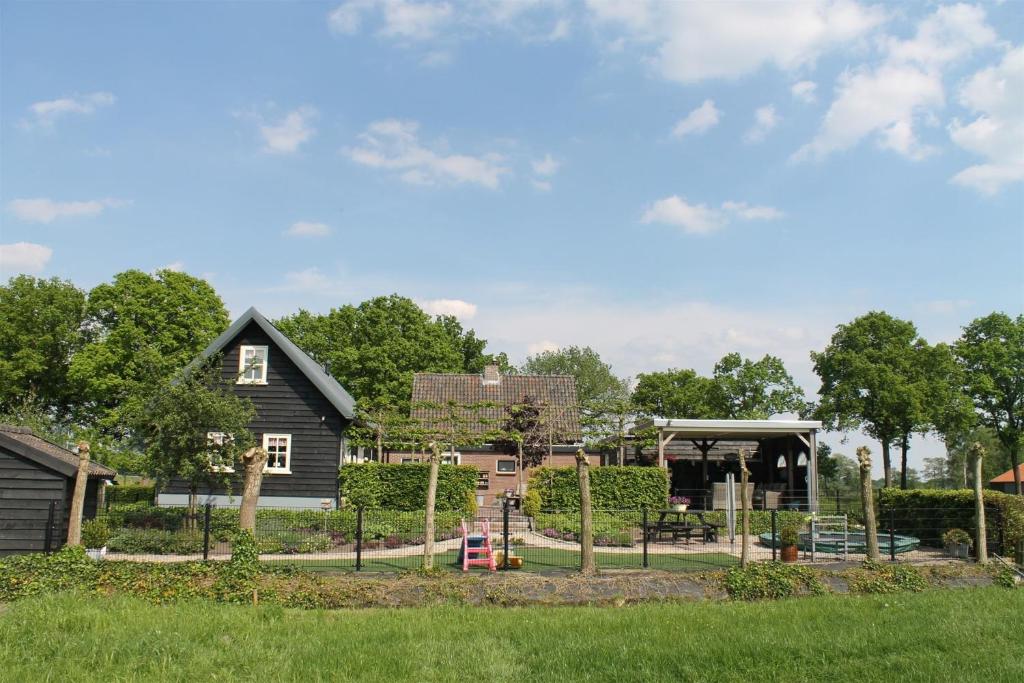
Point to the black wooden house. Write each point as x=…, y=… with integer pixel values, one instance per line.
x=37, y=480
x=302, y=414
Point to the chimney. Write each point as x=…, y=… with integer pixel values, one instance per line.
x=491, y=375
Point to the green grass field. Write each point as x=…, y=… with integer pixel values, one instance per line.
x=968, y=634
x=543, y=560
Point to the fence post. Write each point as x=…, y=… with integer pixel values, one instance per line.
x=839, y=503
x=49, y=525
x=892, y=535
x=359, y=538
x=776, y=541
x=206, y=531
x=999, y=526
x=504, y=532
x=645, y=562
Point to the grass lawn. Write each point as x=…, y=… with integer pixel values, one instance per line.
x=534, y=560
x=968, y=634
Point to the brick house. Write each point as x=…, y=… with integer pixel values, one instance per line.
x=499, y=471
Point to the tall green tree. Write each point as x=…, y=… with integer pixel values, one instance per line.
x=991, y=353
x=375, y=348
x=755, y=390
x=40, y=331
x=142, y=329
x=678, y=393
x=870, y=380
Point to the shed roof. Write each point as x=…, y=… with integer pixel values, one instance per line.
x=557, y=392
x=734, y=429
x=1007, y=476
x=314, y=372
x=24, y=442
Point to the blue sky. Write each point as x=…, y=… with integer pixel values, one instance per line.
x=663, y=182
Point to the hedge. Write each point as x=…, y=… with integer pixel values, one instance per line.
x=611, y=488
x=928, y=513
x=130, y=493
x=404, y=487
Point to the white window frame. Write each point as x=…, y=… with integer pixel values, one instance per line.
x=243, y=368
x=287, y=469
x=214, y=438
x=449, y=459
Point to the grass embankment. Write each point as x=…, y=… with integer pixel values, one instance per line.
x=970, y=634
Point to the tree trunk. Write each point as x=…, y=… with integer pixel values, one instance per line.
x=1015, y=464
x=78, y=497
x=193, y=506
x=980, y=543
x=519, y=466
x=867, y=497
x=254, y=460
x=744, y=510
x=886, y=463
x=587, y=565
x=904, y=447
x=428, y=523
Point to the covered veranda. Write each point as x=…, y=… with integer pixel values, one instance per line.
x=782, y=457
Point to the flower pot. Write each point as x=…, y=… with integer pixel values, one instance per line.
x=789, y=553
x=679, y=507
x=96, y=553
x=958, y=550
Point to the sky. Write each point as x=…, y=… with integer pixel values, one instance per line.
x=664, y=182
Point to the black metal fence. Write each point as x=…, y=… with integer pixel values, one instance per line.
x=375, y=540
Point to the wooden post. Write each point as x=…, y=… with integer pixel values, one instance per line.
x=428, y=522
x=867, y=496
x=254, y=461
x=980, y=543
x=744, y=510
x=661, y=451
x=587, y=564
x=78, y=497
x=812, y=472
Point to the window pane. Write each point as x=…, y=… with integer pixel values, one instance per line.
x=506, y=465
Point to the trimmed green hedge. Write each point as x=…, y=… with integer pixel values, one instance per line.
x=929, y=513
x=404, y=487
x=130, y=493
x=611, y=488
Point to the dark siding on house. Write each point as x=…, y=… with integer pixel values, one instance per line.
x=288, y=404
x=26, y=489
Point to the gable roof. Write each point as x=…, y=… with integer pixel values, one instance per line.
x=328, y=386
x=1007, y=476
x=24, y=442
x=556, y=391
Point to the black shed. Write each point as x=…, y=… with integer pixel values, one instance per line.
x=34, y=473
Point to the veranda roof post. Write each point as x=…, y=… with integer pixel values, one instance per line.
x=812, y=472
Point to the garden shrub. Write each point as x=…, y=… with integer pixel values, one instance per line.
x=95, y=533
x=771, y=580
x=611, y=488
x=879, y=578
x=404, y=486
x=929, y=513
x=130, y=493
x=155, y=542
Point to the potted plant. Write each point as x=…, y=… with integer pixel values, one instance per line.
x=679, y=503
x=95, y=535
x=958, y=543
x=789, y=539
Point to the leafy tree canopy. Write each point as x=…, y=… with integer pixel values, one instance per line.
x=40, y=331
x=141, y=330
x=374, y=349
x=678, y=393
x=524, y=424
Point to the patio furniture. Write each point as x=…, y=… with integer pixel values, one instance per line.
x=682, y=527
x=720, y=492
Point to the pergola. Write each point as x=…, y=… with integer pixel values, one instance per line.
x=704, y=434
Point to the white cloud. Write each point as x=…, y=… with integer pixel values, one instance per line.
x=47, y=112
x=307, y=280
x=42, y=210
x=693, y=41
x=463, y=310
x=888, y=100
x=698, y=121
x=547, y=166
x=946, y=306
x=399, y=18
x=394, y=145
x=541, y=185
x=308, y=229
x=543, y=346
x=293, y=130
x=996, y=94
x=701, y=219
x=765, y=120
x=175, y=266
x=804, y=91
x=24, y=257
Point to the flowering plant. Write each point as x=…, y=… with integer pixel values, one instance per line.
x=678, y=500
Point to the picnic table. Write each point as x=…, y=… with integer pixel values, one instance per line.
x=685, y=524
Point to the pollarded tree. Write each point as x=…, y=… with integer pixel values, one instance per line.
x=991, y=353
x=869, y=380
x=142, y=329
x=524, y=433
x=40, y=331
x=174, y=421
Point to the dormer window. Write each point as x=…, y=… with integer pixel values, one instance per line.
x=252, y=365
